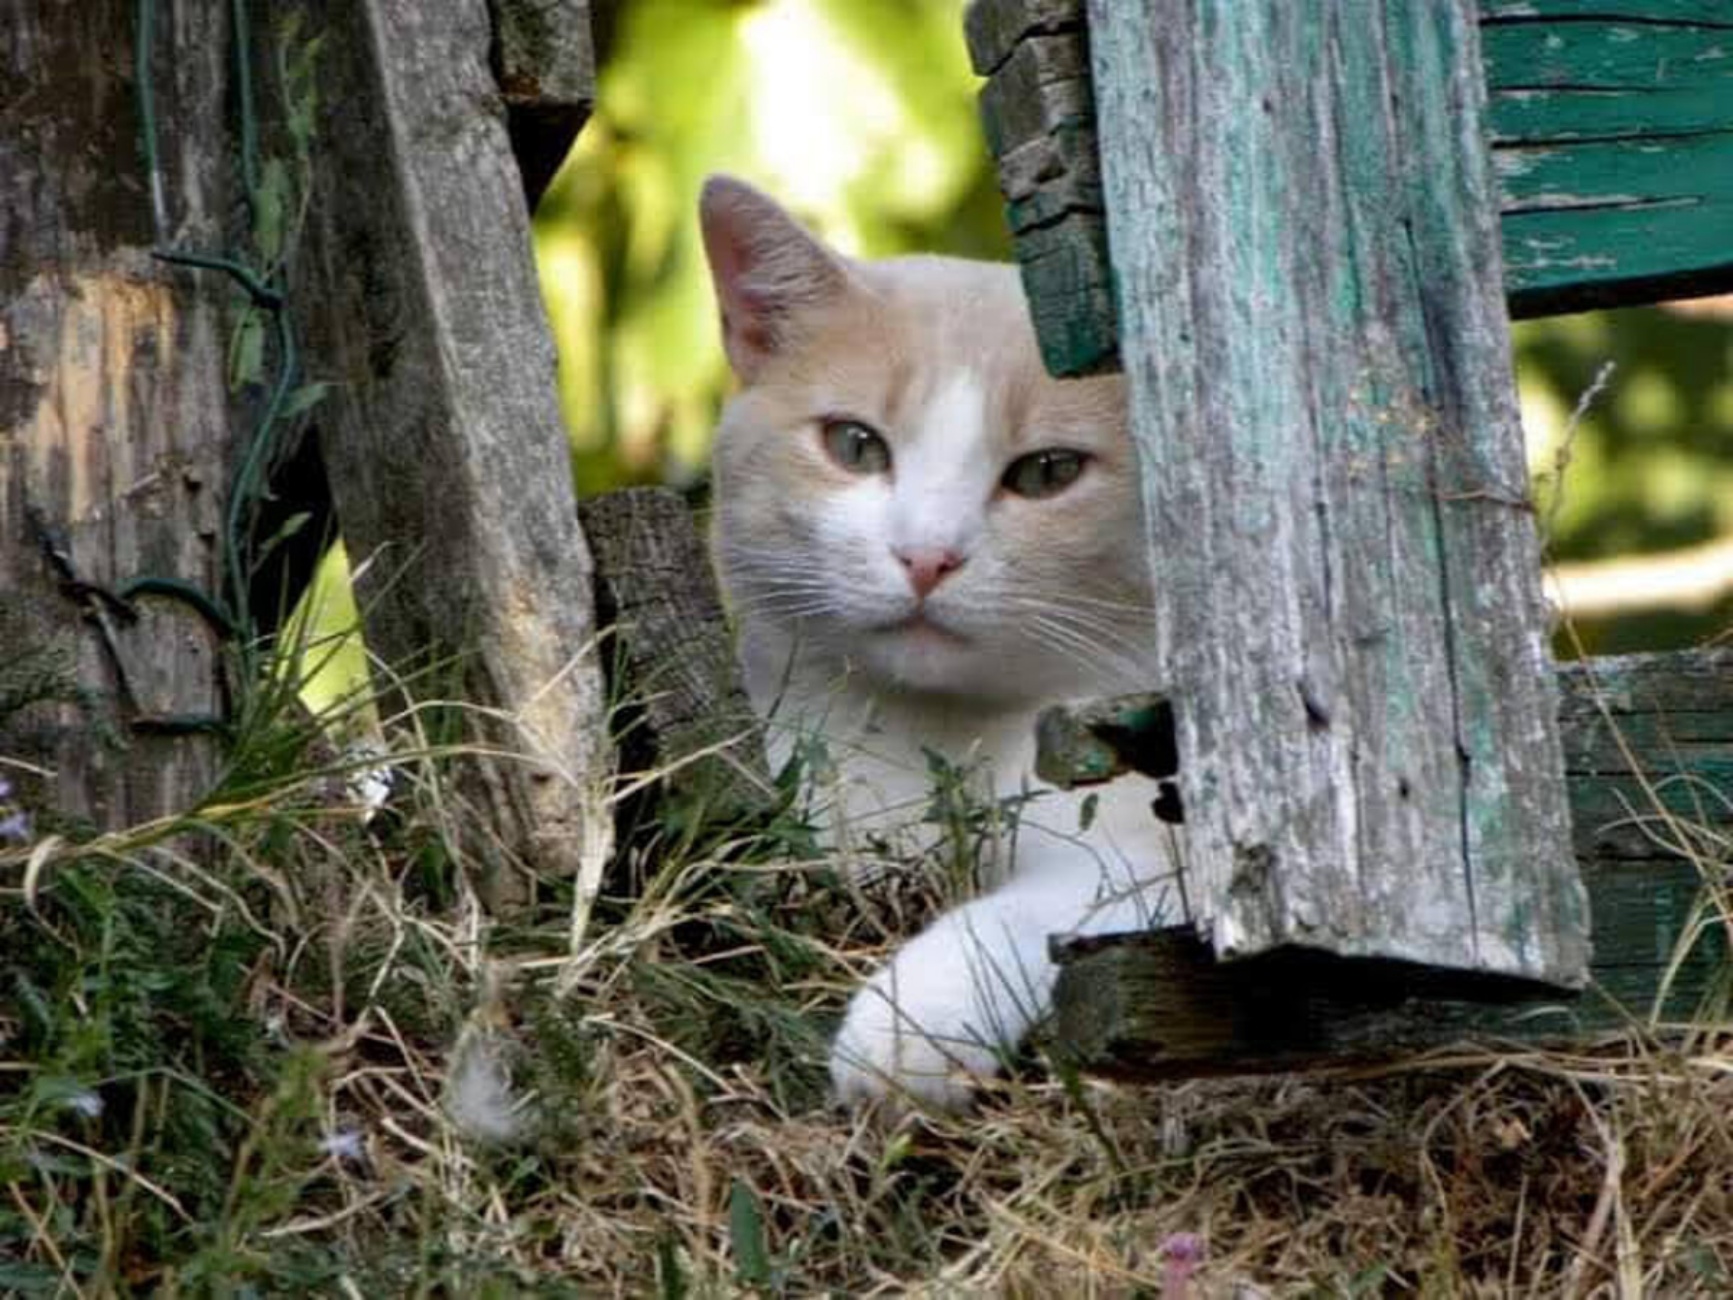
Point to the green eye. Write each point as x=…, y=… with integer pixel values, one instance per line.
x=855, y=447
x=1043, y=473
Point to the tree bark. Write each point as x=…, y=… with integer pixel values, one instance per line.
x=114, y=421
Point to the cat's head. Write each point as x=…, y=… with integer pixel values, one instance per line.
x=901, y=487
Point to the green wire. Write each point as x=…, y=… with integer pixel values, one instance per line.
x=261, y=293
x=229, y=612
x=146, y=19
x=244, y=88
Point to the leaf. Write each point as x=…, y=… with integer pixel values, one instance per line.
x=247, y=350
x=746, y=1231
x=18, y=1278
x=670, y=1277
x=298, y=63
x=304, y=398
x=271, y=204
x=292, y=525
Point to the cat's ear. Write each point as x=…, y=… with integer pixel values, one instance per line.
x=766, y=269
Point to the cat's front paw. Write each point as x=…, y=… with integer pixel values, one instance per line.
x=920, y=1048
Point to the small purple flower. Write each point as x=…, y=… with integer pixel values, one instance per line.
x=86, y=1103
x=16, y=827
x=1181, y=1253
x=5, y=788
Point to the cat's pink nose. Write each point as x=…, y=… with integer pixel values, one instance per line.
x=927, y=566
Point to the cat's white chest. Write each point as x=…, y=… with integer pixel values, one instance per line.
x=885, y=768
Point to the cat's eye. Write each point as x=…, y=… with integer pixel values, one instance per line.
x=855, y=447
x=1043, y=473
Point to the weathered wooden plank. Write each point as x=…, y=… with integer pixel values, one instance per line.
x=1612, y=257
x=680, y=707
x=1600, y=174
x=1607, y=54
x=1612, y=135
x=1660, y=950
x=546, y=65
x=1318, y=366
x=115, y=429
x=993, y=28
x=1092, y=742
x=448, y=458
x=1554, y=117
x=1039, y=114
x=1068, y=277
x=1607, y=197
x=1705, y=13
x=1158, y=1006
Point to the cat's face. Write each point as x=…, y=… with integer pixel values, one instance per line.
x=900, y=487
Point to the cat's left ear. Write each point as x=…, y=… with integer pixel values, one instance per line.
x=766, y=269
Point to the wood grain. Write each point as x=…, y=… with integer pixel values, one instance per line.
x=443, y=439
x=545, y=62
x=680, y=706
x=1347, y=571
x=115, y=420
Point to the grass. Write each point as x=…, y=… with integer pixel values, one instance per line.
x=227, y=1041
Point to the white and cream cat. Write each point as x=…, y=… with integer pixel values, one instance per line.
x=925, y=540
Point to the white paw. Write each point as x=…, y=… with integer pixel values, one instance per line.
x=921, y=1048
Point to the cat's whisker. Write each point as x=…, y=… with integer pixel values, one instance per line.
x=1114, y=614
x=1138, y=609
x=1072, y=641
x=1095, y=630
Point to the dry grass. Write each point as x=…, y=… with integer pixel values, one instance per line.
x=266, y=1007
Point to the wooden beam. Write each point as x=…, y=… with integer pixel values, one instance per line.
x=116, y=442
x=1610, y=125
x=1038, y=108
x=1612, y=135
x=546, y=65
x=680, y=707
x=447, y=456
x=1648, y=741
x=1347, y=574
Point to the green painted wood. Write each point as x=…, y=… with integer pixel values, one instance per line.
x=1317, y=355
x=1709, y=13
x=1039, y=113
x=1606, y=54
x=1661, y=954
x=1614, y=257
x=1612, y=136
x=1550, y=117
x=1611, y=126
x=1095, y=741
x=1156, y=1006
x=1692, y=170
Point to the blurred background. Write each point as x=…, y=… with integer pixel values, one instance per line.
x=860, y=116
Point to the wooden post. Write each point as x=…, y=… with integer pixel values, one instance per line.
x=546, y=65
x=1303, y=229
x=1648, y=743
x=114, y=413
x=447, y=457
x=682, y=708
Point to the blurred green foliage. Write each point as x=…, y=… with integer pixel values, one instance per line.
x=1650, y=467
x=860, y=115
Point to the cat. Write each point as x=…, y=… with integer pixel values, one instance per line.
x=924, y=540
